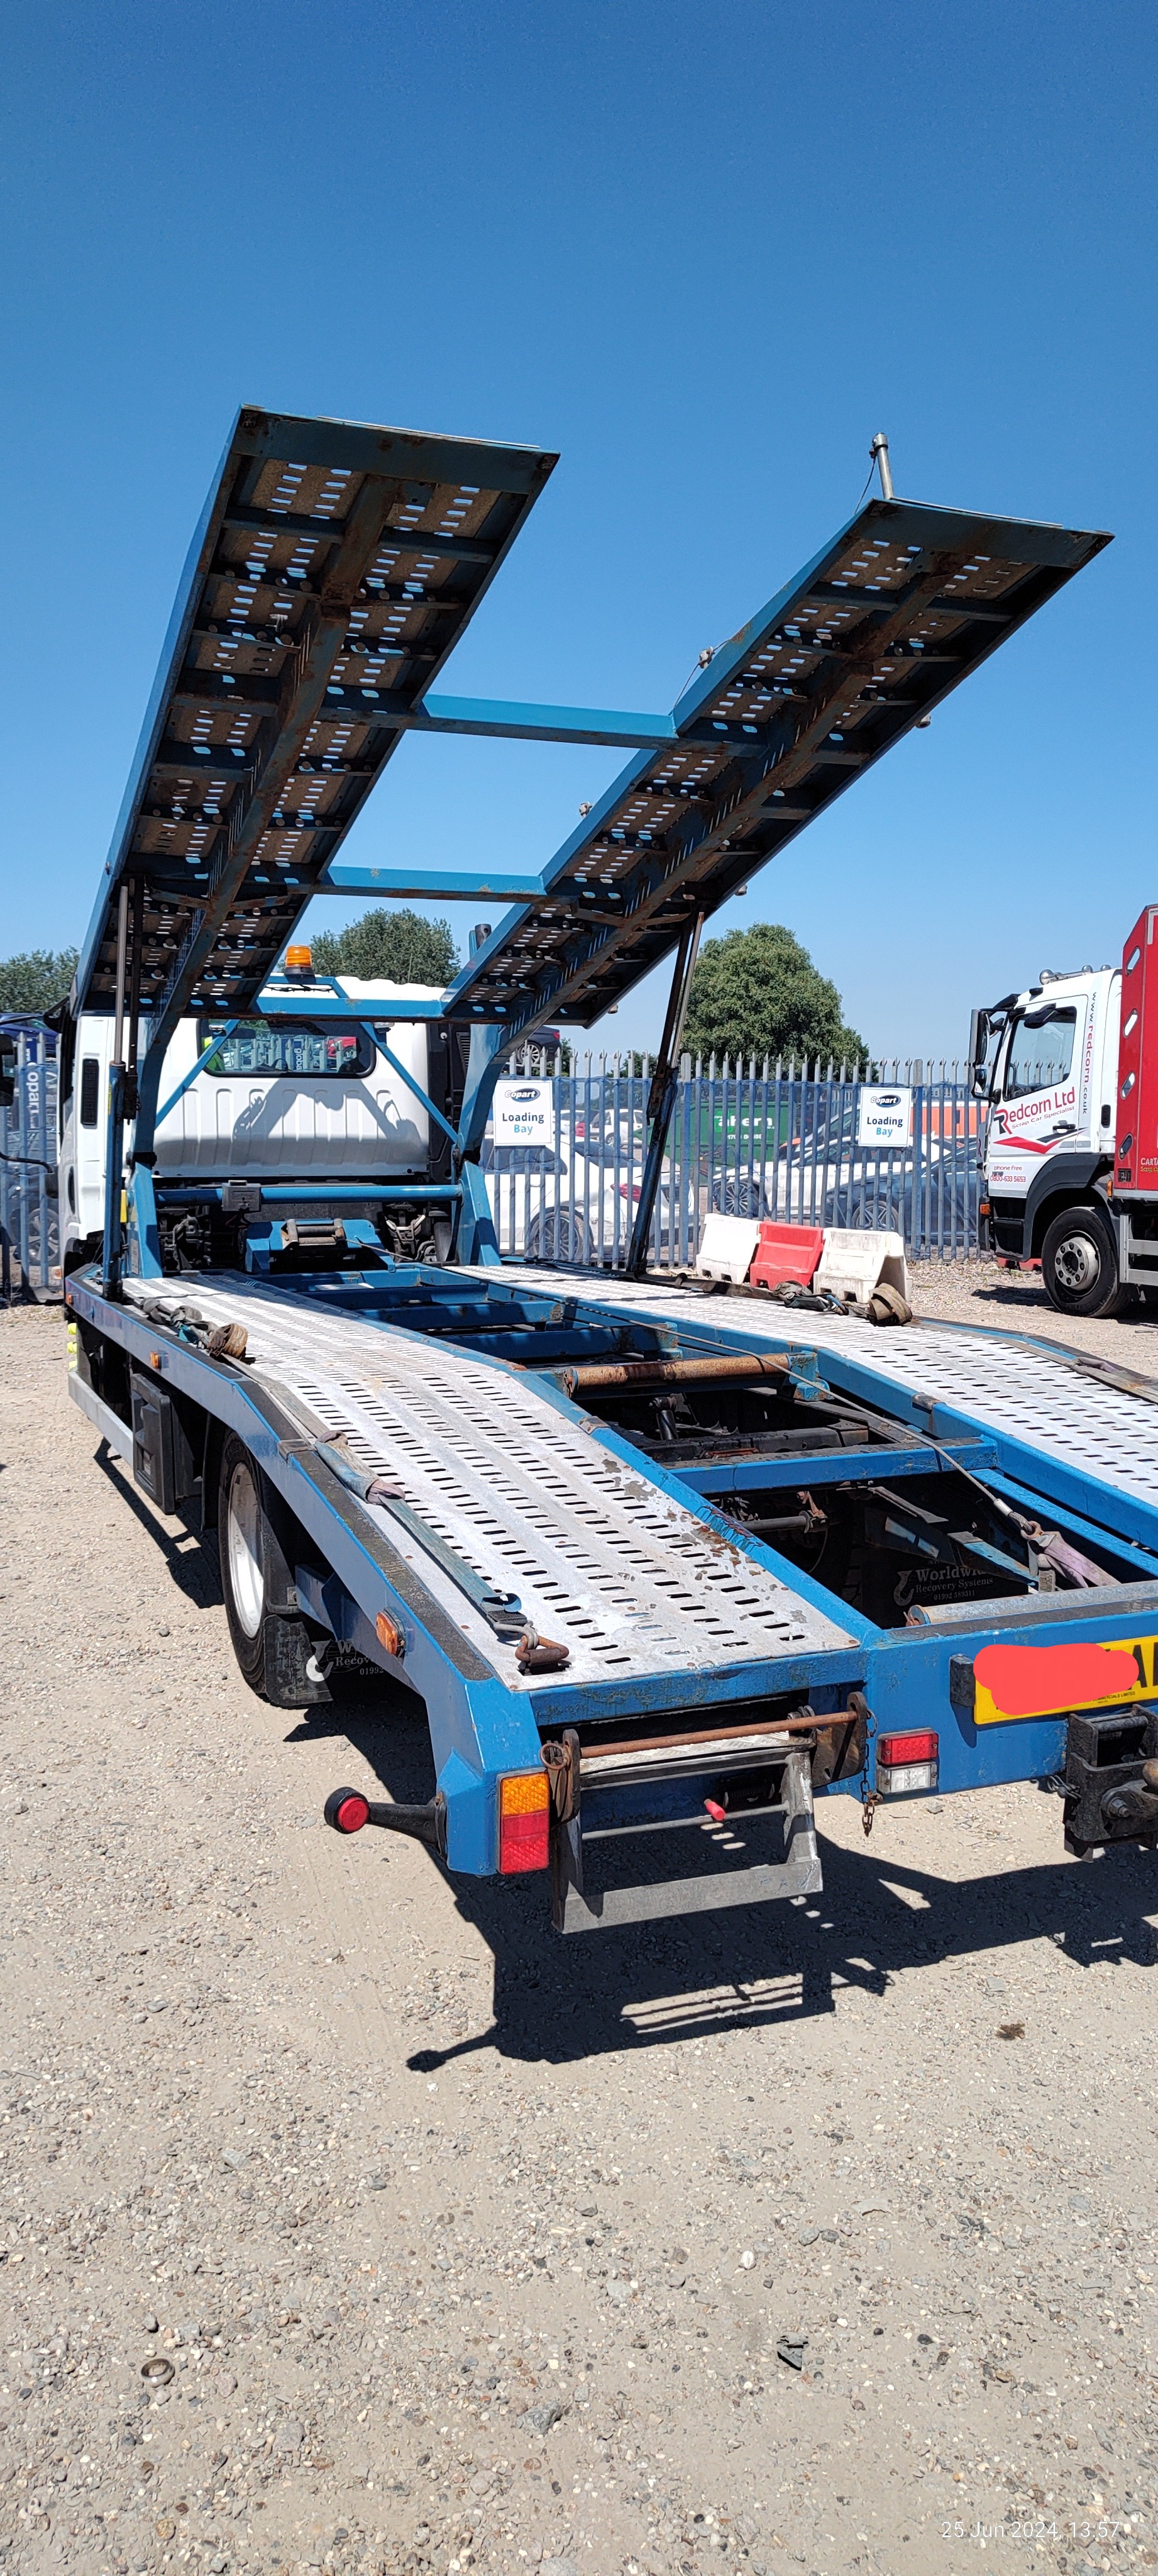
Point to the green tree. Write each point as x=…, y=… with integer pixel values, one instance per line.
x=400, y=946
x=34, y=981
x=757, y=993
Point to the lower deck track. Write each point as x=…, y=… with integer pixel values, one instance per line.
x=1053, y=1402
x=632, y=1579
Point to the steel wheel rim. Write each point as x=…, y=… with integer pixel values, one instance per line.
x=1077, y=1264
x=246, y=1580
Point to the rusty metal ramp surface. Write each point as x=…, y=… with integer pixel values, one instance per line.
x=628, y=1577
x=335, y=567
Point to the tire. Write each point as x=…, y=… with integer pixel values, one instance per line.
x=79, y=1249
x=859, y=1209
x=881, y=1216
x=739, y=1195
x=273, y=1646
x=557, y=1234
x=1079, y=1265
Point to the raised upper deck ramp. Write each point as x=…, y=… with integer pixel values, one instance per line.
x=335, y=567
x=873, y=634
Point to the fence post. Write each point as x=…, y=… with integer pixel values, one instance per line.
x=25, y=1159
x=6, y=1170
x=43, y=1145
x=920, y=1224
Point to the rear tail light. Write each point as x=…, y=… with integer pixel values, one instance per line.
x=524, y=1821
x=906, y=1763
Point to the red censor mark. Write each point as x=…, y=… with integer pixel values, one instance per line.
x=1031, y=1681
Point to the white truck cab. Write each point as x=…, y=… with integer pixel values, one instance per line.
x=1061, y=1176
x=273, y=1105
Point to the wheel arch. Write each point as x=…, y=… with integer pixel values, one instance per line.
x=294, y=1543
x=1067, y=1180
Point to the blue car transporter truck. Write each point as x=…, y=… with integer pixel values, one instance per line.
x=664, y=1563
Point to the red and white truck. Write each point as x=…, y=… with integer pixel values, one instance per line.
x=1069, y=1070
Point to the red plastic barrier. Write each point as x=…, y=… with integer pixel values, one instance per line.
x=786, y=1252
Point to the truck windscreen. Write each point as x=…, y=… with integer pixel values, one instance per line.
x=1041, y=1050
x=319, y=1054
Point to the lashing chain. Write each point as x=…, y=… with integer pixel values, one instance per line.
x=869, y=1797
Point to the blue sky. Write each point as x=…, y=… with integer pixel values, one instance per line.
x=705, y=253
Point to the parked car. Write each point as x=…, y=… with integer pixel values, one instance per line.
x=552, y=1205
x=823, y=1176
x=940, y=1214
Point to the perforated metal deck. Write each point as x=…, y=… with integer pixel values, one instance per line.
x=1005, y=1385
x=335, y=567
x=632, y=1581
x=890, y=617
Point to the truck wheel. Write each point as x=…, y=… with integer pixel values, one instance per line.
x=1079, y=1265
x=559, y=1234
x=272, y=1646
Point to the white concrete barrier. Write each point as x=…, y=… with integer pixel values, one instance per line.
x=727, y=1248
x=854, y=1262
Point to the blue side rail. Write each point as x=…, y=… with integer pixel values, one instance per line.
x=852, y=1452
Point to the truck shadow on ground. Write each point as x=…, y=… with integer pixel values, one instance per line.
x=191, y=1559
x=878, y=1920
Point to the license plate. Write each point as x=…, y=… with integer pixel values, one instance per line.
x=1047, y=1681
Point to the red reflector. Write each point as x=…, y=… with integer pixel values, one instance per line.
x=352, y=1815
x=906, y=1748
x=718, y=1814
x=523, y=1842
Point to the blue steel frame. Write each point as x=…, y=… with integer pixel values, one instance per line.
x=311, y=572
x=262, y=738
x=280, y=1003
x=877, y=630
x=480, y=1729
x=228, y=838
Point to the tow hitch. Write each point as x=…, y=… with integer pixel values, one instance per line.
x=1135, y=1805
x=1111, y=1778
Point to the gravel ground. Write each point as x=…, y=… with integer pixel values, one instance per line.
x=448, y=2245
x=1014, y=1301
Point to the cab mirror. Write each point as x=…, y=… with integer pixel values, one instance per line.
x=979, y=1054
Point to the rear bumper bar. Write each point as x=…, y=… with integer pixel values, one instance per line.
x=587, y=1894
